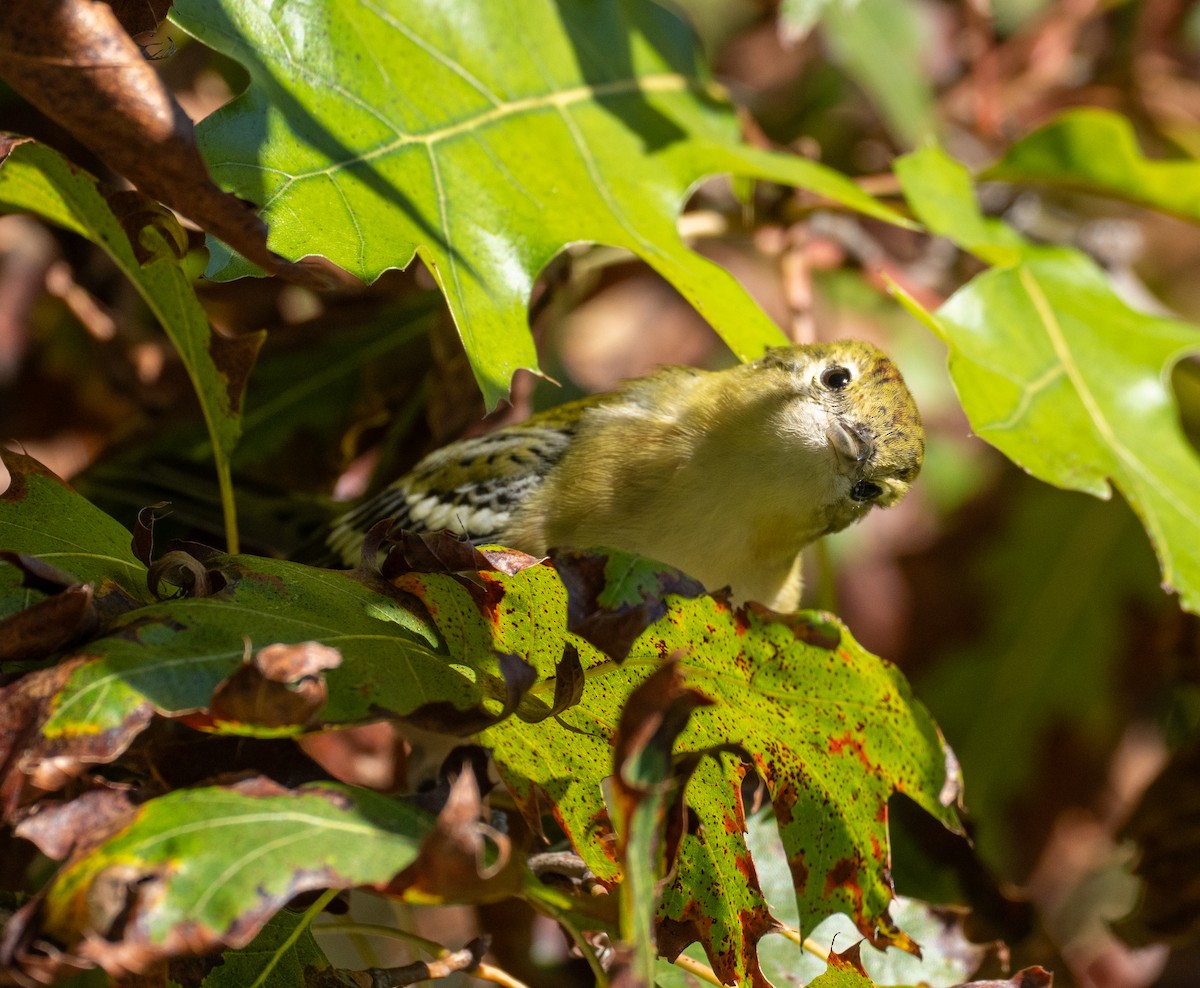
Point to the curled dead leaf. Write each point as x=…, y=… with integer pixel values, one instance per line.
x=75, y=62
x=465, y=858
x=185, y=573
x=280, y=686
x=59, y=828
x=613, y=627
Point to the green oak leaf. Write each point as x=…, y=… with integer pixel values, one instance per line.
x=833, y=730
x=283, y=953
x=1097, y=151
x=484, y=139
x=1063, y=377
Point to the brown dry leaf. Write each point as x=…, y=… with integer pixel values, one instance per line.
x=645, y=770
x=433, y=552
x=75, y=63
x=31, y=761
x=453, y=864
x=281, y=686
x=49, y=625
x=614, y=629
x=1164, y=825
x=59, y=828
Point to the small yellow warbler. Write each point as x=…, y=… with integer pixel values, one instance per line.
x=726, y=474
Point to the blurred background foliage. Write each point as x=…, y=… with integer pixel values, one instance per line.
x=1029, y=619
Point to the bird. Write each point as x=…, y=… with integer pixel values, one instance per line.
x=725, y=474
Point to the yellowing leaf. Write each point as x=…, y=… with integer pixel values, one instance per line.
x=833, y=730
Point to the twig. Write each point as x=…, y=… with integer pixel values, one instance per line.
x=697, y=968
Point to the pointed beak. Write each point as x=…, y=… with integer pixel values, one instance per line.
x=852, y=443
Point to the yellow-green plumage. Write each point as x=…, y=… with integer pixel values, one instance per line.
x=724, y=474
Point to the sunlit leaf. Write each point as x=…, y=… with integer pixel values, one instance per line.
x=833, y=730
x=1097, y=151
x=484, y=138
x=1063, y=377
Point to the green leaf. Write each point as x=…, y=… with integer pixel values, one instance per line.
x=41, y=516
x=845, y=971
x=833, y=730
x=1070, y=383
x=205, y=867
x=942, y=194
x=484, y=138
x=798, y=17
x=283, y=953
x=34, y=178
x=172, y=655
x=703, y=902
x=1097, y=151
x=881, y=45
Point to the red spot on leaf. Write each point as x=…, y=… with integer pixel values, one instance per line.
x=799, y=870
x=847, y=742
x=844, y=875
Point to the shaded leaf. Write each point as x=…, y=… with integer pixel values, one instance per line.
x=1067, y=381
x=1047, y=660
x=280, y=686
x=203, y=868
x=1097, y=151
x=798, y=17
x=407, y=131
x=283, y=951
x=75, y=62
x=1164, y=825
x=391, y=664
x=41, y=516
x=36, y=179
x=881, y=45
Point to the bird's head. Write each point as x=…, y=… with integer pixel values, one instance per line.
x=848, y=406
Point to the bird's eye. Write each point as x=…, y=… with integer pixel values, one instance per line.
x=835, y=378
x=864, y=490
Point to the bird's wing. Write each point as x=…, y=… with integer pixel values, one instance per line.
x=471, y=487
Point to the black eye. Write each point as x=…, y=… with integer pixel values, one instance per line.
x=864, y=490
x=835, y=378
